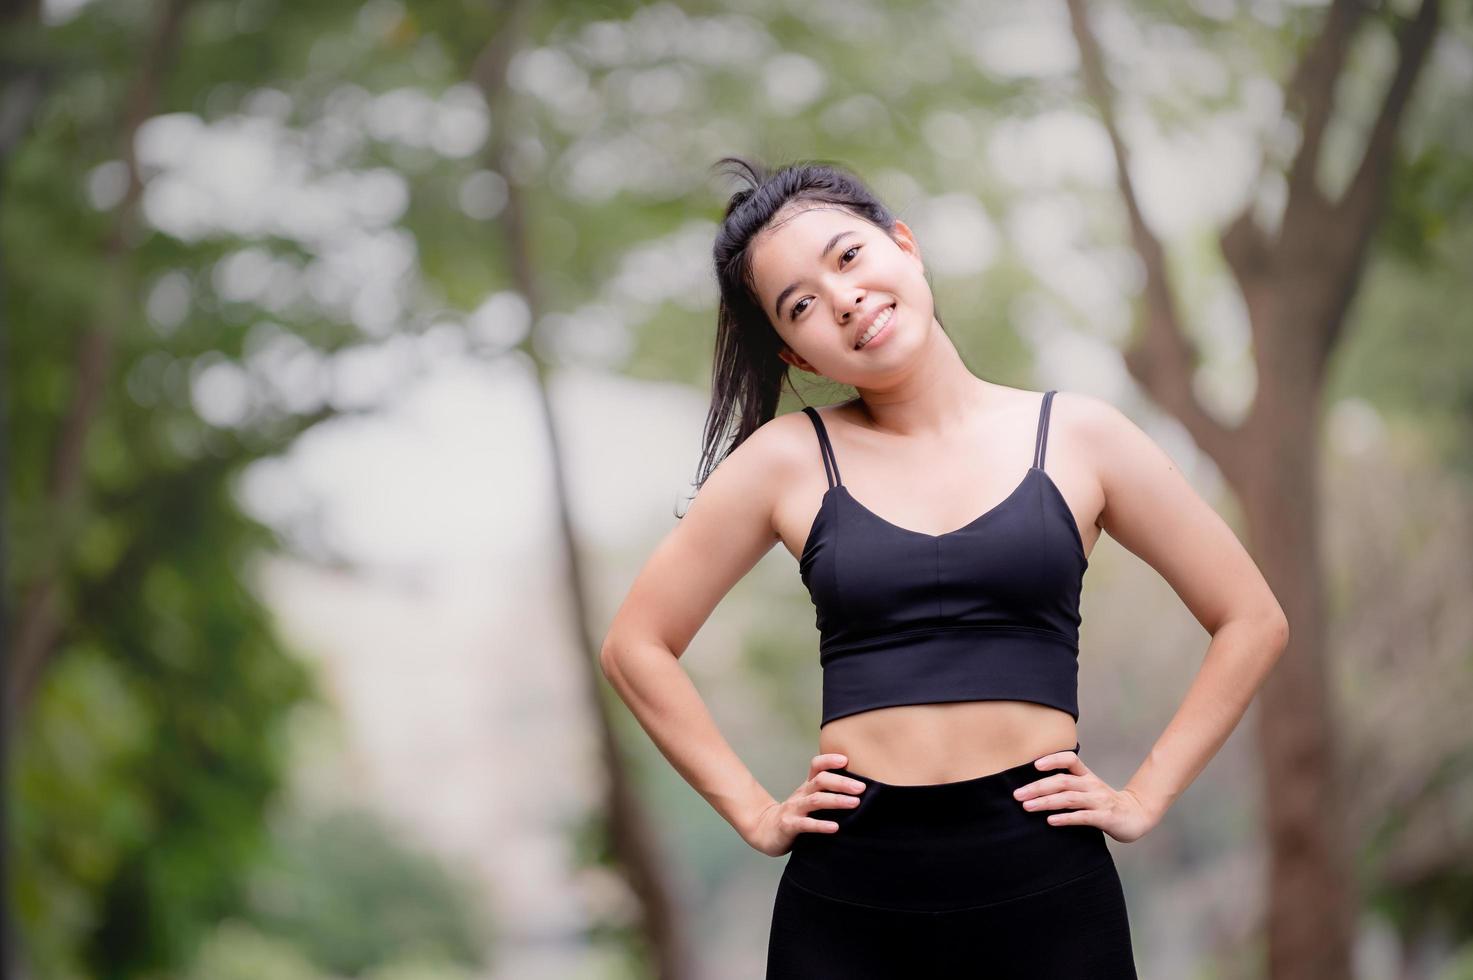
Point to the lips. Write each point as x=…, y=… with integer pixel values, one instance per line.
x=869, y=332
x=869, y=321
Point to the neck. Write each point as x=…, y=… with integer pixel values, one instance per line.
x=936, y=393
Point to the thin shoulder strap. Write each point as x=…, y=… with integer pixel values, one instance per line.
x=830, y=465
x=1040, y=443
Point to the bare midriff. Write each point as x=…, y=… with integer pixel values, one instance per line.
x=920, y=744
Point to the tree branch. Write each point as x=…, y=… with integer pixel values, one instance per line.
x=1163, y=358
x=1310, y=96
x=1245, y=246
x=1359, y=208
x=36, y=628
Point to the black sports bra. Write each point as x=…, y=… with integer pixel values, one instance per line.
x=989, y=611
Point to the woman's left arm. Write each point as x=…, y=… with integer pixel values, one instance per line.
x=1153, y=511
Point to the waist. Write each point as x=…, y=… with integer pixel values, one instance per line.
x=940, y=743
x=944, y=845
x=902, y=807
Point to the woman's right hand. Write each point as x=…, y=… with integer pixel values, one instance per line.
x=779, y=825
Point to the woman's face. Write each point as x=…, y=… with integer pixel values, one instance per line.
x=824, y=275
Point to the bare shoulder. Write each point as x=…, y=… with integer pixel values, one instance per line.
x=1119, y=453
x=1155, y=513
x=1084, y=415
x=1116, y=442
x=726, y=529
x=765, y=459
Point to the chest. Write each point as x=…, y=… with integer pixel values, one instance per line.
x=1024, y=551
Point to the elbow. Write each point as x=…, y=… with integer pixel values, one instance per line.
x=608, y=657
x=1267, y=628
x=617, y=649
x=1278, y=630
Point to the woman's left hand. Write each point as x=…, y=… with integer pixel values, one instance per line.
x=1119, y=813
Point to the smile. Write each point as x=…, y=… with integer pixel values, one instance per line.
x=881, y=322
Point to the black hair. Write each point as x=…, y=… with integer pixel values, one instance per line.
x=747, y=376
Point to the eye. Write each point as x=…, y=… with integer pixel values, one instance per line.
x=798, y=307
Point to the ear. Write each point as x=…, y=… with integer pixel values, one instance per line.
x=789, y=357
x=906, y=238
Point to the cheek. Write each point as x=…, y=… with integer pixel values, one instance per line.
x=917, y=294
x=794, y=342
x=821, y=354
x=915, y=281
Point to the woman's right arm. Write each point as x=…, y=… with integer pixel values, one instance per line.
x=727, y=528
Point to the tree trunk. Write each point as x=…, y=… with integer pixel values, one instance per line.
x=1312, y=901
x=630, y=833
x=1297, y=286
x=29, y=639
x=22, y=94
x=33, y=638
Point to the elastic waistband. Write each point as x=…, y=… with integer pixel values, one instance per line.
x=959, y=785
x=942, y=846
x=974, y=801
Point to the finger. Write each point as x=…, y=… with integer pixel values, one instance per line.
x=1062, y=760
x=837, y=782
x=830, y=760
x=1052, y=784
x=831, y=801
x=1056, y=801
x=800, y=823
x=1080, y=817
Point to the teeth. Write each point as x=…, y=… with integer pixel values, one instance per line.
x=875, y=327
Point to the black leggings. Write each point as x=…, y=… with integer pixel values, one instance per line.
x=949, y=879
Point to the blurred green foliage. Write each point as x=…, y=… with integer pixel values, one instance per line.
x=157, y=738
x=156, y=744
x=343, y=890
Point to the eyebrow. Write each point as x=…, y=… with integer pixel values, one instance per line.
x=777, y=306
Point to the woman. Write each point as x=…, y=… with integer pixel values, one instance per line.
x=948, y=822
